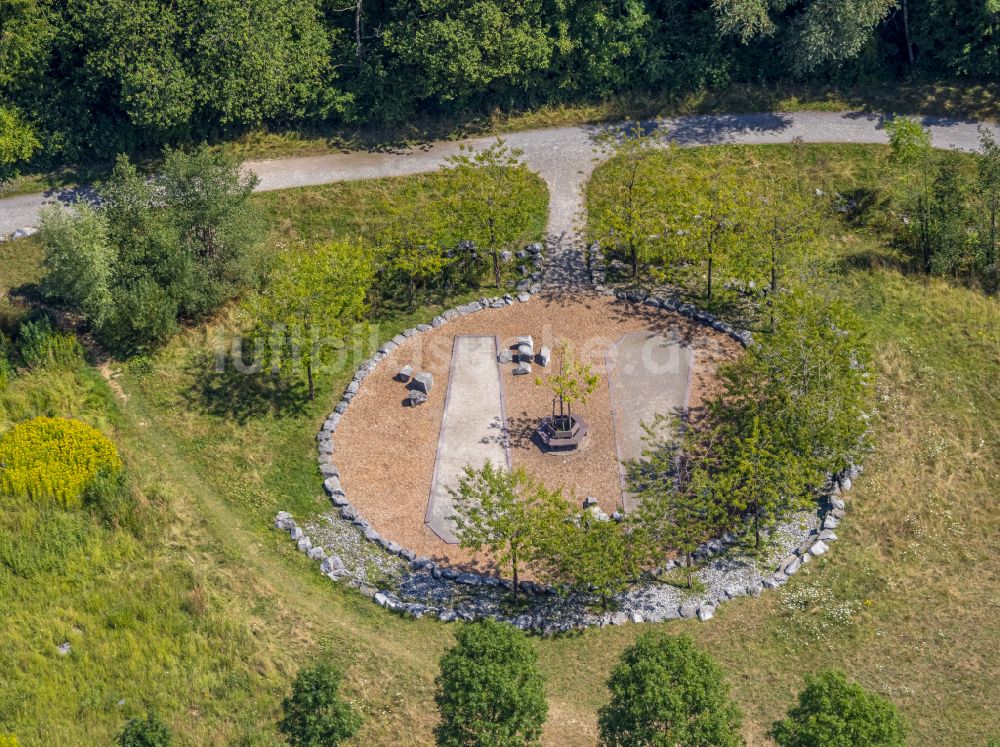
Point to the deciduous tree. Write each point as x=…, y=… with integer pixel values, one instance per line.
x=315, y=714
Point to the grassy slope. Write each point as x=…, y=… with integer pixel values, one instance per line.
x=917, y=545
x=209, y=617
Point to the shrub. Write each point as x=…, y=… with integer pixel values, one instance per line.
x=665, y=691
x=8, y=740
x=54, y=460
x=146, y=732
x=833, y=712
x=315, y=714
x=490, y=691
x=39, y=346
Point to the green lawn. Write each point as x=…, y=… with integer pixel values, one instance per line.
x=208, y=614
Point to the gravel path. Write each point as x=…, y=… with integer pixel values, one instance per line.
x=564, y=156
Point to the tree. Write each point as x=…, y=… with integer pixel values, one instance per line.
x=629, y=214
x=714, y=205
x=416, y=253
x=504, y=511
x=315, y=714
x=79, y=261
x=910, y=147
x=146, y=732
x=17, y=140
x=316, y=294
x=833, y=712
x=989, y=193
x=760, y=477
x=678, y=502
x=588, y=553
x=664, y=692
x=492, y=191
x=574, y=383
x=207, y=198
x=490, y=692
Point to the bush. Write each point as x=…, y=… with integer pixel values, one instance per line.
x=39, y=346
x=147, y=732
x=54, y=460
x=665, y=691
x=8, y=740
x=833, y=712
x=490, y=691
x=315, y=714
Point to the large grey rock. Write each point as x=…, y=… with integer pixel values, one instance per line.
x=544, y=356
x=792, y=568
x=522, y=369
x=706, y=612
x=304, y=544
x=831, y=522
x=423, y=382
x=333, y=486
x=689, y=611
x=316, y=553
x=414, y=398
x=837, y=503
x=505, y=356
x=525, y=352
x=404, y=374
x=819, y=548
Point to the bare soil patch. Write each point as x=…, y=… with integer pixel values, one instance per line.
x=385, y=452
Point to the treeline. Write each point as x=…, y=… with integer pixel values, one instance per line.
x=93, y=78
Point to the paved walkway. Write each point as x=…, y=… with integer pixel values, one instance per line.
x=473, y=426
x=564, y=156
x=648, y=374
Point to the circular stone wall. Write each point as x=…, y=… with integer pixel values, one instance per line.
x=385, y=453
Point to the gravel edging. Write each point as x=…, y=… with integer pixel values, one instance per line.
x=397, y=579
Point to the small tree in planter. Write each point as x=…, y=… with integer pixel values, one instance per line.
x=574, y=383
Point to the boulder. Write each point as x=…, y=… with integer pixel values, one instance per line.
x=837, y=503
x=525, y=352
x=404, y=374
x=524, y=297
x=415, y=398
x=304, y=544
x=819, y=548
x=636, y=617
x=522, y=369
x=845, y=484
x=316, y=553
x=544, y=356
x=828, y=535
x=689, y=611
x=792, y=567
x=831, y=522
x=706, y=612
x=423, y=382
x=505, y=356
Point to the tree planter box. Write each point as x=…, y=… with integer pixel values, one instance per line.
x=563, y=432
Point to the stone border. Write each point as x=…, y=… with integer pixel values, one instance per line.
x=832, y=508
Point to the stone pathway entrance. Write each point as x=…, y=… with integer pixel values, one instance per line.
x=474, y=427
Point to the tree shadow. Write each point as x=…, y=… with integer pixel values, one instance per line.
x=241, y=396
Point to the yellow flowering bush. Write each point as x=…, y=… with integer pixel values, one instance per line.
x=8, y=740
x=54, y=460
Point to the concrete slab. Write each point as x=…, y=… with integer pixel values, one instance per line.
x=649, y=374
x=473, y=426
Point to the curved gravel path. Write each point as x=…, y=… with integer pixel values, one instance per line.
x=564, y=156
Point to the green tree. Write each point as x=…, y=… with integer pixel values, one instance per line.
x=574, y=382
x=416, y=253
x=760, y=477
x=678, y=500
x=492, y=189
x=315, y=714
x=490, y=692
x=910, y=148
x=989, y=194
x=955, y=249
x=665, y=692
x=714, y=204
x=504, y=511
x=314, y=297
x=588, y=553
x=79, y=261
x=17, y=140
x=206, y=196
x=630, y=206
x=145, y=732
x=833, y=712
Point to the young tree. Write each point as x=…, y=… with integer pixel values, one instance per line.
x=505, y=511
x=574, y=383
x=315, y=714
x=833, y=712
x=79, y=261
x=589, y=553
x=665, y=691
x=206, y=196
x=760, y=477
x=679, y=503
x=490, y=692
x=989, y=193
x=146, y=732
x=414, y=253
x=316, y=293
x=910, y=147
x=954, y=248
x=629, y=207
x=492, y=191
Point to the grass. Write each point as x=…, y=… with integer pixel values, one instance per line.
x=209, y=616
